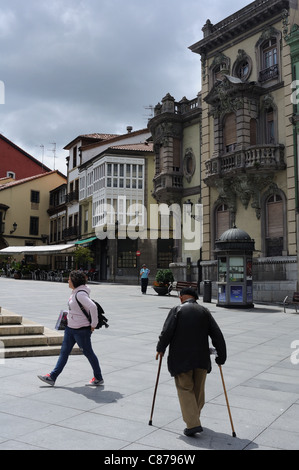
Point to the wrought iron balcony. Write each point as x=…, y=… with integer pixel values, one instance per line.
x=269, y=74
x=70, y=232
x=72, y=197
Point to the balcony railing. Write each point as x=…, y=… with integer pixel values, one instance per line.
x=70, y=232
x=269, y=74
x=72, y=197
x=270, y=157
x=167, y=181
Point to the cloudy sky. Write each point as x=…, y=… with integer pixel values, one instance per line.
x=72, y=67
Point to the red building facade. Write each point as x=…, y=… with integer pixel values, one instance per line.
x=16, y=163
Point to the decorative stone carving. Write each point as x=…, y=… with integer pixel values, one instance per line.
x=267, y=34
x=189, y=164
x=221, y=97
x=245, y=187
x=227, y=195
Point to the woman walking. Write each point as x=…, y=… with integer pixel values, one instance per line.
x=78, y=331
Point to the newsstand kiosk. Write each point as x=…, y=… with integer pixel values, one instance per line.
x=234, y=254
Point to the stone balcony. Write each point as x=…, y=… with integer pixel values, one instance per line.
x=259, y=157
x=168, y=187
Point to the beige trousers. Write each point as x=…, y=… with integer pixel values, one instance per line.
x=191, y=392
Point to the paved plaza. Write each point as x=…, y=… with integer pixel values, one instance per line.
x=262, y=381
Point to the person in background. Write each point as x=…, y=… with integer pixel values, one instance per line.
x=144, y=273
x=186, y=331
x=78, y=330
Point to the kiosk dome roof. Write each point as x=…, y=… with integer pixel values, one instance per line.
x=233, y=234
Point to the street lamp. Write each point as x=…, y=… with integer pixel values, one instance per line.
x=15, y=225
x=188, y=205
x=189, y=208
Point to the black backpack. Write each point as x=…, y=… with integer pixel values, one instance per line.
x=102, y=320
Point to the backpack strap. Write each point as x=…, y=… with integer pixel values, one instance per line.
x=81, y=306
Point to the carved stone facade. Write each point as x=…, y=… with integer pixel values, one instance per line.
x=176, y=133
x=248, y=163
x=248, y=146
x=171, y=165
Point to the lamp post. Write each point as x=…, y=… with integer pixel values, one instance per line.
x=188, y=210
x=15, y=225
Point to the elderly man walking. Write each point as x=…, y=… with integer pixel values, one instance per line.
x=186, y=331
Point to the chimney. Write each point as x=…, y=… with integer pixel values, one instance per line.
x=129, y=129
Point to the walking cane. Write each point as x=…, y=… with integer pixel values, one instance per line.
x=155, y=392
x=228, y=409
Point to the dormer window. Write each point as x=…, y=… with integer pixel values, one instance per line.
x=219, y=68
x=219, y=71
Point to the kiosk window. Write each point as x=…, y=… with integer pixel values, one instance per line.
x=222, y=269
x=236, y=269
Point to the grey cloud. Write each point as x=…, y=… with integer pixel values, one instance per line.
x=80, y=66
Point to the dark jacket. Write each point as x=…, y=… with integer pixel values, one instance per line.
x=187, y=330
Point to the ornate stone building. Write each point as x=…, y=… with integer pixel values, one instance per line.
x=246, y=151
x=176, y=129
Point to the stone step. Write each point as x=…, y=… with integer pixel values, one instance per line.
x=23, y=340
x=27, y=327
x=34, y=351
x=20, y=337
x=10, y=318
x=49, y=337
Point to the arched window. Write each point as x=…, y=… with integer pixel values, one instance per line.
x=269, y=58
x=274, y=225
x=269, y=52
x=222, y=220
x=229, y=132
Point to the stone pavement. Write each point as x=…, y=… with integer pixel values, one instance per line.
x=262, y=382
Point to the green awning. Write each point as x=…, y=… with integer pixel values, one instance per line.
x=86, y=241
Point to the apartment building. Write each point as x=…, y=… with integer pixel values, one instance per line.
x=112, y=181
x=24, y=220
x=16, y=163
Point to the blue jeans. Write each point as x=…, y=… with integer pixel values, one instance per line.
x=82, y=337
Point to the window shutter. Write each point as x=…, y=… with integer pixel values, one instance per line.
x=176, y=154
x=230, y=130
x=222, y=222
x=275, y=219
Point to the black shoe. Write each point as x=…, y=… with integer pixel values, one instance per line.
x=47, y=379
x=192, y=431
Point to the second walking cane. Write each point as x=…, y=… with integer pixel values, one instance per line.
x=228, y=408
x=155, y=392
